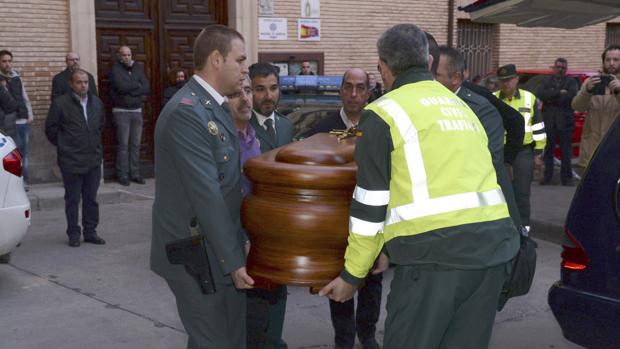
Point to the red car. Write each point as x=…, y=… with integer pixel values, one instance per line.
x=530, y=79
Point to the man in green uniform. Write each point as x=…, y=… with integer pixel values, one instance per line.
x=198, y=177
x=534, y=139
x=426, y=193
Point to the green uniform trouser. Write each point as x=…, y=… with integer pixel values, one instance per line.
x=523, y=174
x=212, y=321
x=432, y=307
x=276, y=321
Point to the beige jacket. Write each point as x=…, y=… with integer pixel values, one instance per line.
x=602, y=111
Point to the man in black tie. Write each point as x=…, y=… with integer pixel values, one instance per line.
x=273, y=130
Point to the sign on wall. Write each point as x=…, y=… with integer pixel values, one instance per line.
x=265, y=7
x=310, y=8
x=272, y=28
x=308, y=29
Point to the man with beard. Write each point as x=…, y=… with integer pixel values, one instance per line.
x=61, y=83
x=74, y=126
x=556, y=93
x=273, y=130
x=354, y=93
x=178, y=77
x=602, y=106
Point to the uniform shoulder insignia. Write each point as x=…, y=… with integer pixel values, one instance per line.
x=187, y=101
x=212, y=128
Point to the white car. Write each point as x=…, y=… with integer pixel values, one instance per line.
x=14, y=204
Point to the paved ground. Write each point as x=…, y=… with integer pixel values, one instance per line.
x=105, y=297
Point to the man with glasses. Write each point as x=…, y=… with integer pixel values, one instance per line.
x=556, y=93
x=61, y=83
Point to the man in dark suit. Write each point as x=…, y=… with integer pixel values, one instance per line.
x=198, y=177
x=74, y=124
x=61, y=83
x=450, y=74
x=273, y=130
x=354, y=93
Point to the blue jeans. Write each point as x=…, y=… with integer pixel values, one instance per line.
x=129, y=135
x=22, y=139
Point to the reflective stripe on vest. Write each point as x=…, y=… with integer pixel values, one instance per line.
x=371, y=197
x=527, y=97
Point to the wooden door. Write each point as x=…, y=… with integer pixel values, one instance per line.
x=160, y=34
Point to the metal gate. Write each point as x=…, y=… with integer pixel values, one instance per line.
x=475, y=41
x=612, y=34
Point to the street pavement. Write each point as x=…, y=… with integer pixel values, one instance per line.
x=54, y=296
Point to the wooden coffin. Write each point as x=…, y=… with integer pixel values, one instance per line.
x=297, y=215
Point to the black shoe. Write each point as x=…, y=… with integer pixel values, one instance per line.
x=95, y=239
x=5, y=258
x=123, y=181
x=545, y=182
x=138, y=180
x=370, y=343
x=568, y=182
x=74, y=242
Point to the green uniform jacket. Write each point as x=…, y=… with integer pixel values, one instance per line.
x=468, y=247
x=197, y=174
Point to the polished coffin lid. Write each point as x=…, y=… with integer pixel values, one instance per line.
x=297, y=214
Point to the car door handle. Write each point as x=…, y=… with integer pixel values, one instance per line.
x=615, y=199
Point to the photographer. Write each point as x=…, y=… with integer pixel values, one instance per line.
x=600, y=97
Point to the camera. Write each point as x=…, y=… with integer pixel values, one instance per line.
x=599, y=89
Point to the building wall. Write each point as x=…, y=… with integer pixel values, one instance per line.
x=37, y=33
x=350, y=28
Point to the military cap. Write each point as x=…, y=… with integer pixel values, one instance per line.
x=506, y=72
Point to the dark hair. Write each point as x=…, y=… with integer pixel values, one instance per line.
x=402, y=47
x=561, y=60
x=76, y=72
x=433, y=50
x=6, y=52
x=455, y=60
x=264, y=70
x=612, y=47
x=172, y=76
x=344, y=76
x=214, y=37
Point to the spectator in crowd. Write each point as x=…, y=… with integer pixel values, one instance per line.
x=600, y=97
x=306, y=68
x=74, y=124
x=348, y=322
x=61, y=83
x=556, y=93
x=376, y=90
x=7, y=102
x=128, y=88
x=491, y=84
x=17, y=123
x=273, y=130
x=176, y=80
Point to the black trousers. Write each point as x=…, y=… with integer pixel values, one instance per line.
x=559, y=127
x=347, y=322
x=82, y=186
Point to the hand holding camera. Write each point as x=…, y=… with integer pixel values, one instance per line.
x=597, y=84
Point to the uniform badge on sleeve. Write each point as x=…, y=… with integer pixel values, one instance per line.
x=212, y=128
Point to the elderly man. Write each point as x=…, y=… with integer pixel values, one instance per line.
x=129, y=86
x=198, y=177
x=354, y=93
x=451, y=241
x=61, y=83
x=74, y=126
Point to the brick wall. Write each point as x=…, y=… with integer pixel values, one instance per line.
x=350, y=28
x=37, y=33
